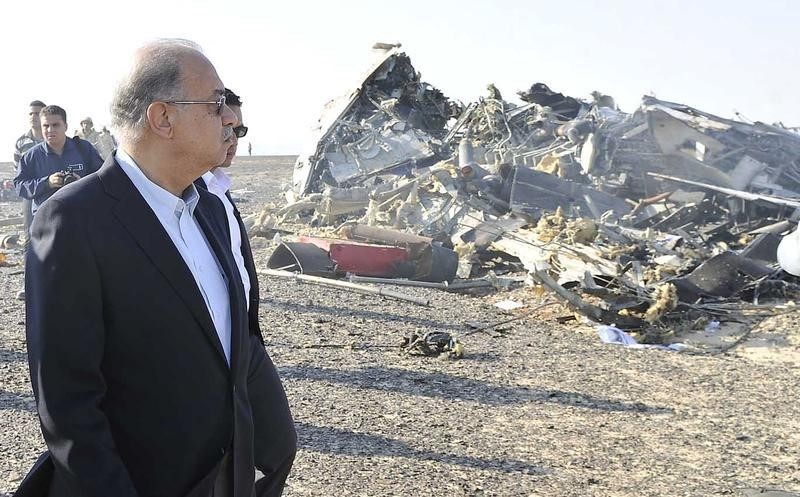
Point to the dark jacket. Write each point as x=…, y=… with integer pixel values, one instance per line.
x=275, y=439
x=249, y=264
x=132, y=387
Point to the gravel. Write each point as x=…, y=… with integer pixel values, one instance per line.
x=535, y=408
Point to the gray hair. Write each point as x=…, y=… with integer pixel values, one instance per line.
x=156, y=75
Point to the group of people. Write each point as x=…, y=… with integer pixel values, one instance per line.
x=46, y=158
x=146, y=355
x=102, y=140
x=54, y=158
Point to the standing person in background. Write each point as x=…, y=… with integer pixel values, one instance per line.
x=249, y=148
x=23, y=144
x=107, y=143
x=272, y=421
x=88, y=132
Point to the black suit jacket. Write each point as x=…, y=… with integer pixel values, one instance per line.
x=134, y=394
x=275, y=439
x=249, y=263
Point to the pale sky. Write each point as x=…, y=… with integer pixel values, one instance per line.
x=286, y=59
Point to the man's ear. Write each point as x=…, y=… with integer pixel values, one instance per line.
x=159, y=119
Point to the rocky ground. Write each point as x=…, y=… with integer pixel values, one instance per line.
x=534, y=408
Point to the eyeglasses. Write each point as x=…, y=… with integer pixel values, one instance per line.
x=219, y=103
x=240, y=131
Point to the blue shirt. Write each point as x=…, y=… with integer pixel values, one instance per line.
x=38, y=163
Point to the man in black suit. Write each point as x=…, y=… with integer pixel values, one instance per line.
x=145, y=370
x=269, y=452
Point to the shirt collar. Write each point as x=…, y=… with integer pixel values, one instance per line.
x=217, y=181
x=68, y=145
x=159, y=199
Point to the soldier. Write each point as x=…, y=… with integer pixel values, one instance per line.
x=88, y=132
x=107, y=143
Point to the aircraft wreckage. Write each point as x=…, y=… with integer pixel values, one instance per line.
x=633, y=219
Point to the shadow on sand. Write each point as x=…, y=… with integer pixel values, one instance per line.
x=440, y=385
x=343, y=442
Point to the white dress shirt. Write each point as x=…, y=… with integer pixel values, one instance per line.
x=218, y=183
x=177, y=217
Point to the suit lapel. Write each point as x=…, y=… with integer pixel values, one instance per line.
x=145, y=228
x=250, y=266
x=218, y=211
x=210, y=215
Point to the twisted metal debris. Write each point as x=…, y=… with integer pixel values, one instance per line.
x=623, y=211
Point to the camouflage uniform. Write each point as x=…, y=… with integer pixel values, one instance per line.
x=106, y=144
x=103, y=142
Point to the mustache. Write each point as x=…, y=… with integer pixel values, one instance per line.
x=227, y=132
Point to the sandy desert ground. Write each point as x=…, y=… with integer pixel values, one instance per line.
x=534, y=408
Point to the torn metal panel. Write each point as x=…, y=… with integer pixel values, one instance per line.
x=777, y=148
x=408, y=256
x=745, y=172
x=593, y=312
x=435, y=263
x=364, y=259
x=675, y=137
x=574, y=261
x=377, y=234
x=384, y=147
x=533, y=192
x=370, y=260
x=532, y=255
x=309, y=163
x=763, y=248
x=390, y=123
x=723, y=275
x=487, y=232
x=753, y=197
x=305, y=258
x=564, y=106
x=338, y=201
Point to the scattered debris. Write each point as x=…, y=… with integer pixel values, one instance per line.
x=434, y=343
x=509, y=305
x=7, y=191
x=615, y=336
x=345, y=285
x=10, y=241
x=645, y=221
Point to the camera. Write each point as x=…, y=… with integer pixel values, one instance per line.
x=71, y=173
